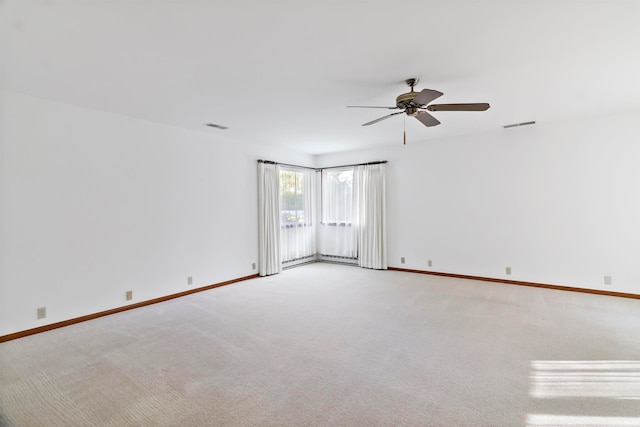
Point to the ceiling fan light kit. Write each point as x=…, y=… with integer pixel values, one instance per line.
x=414, y=104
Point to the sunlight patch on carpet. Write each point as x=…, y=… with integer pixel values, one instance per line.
x=545, y=420
x=613, y=379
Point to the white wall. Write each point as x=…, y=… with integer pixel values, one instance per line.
x=557, y=202
x=94, y=204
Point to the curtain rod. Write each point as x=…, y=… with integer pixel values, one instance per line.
x=320, y=169
x=358, y=164
x=269, y=162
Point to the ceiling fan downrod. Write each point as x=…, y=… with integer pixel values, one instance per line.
x=406, y=99
x=412, y=82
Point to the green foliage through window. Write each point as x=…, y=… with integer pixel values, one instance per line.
x=292, y=198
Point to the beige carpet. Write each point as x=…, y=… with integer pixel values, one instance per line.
x=332, y=345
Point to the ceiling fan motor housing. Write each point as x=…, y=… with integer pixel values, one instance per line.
x=405, y=100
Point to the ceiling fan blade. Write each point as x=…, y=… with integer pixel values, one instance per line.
x=426, y=96
x=427, y=119
x=459, y=107
x=367, y=106
x=382, y=118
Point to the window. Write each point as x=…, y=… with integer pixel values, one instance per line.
x=337, y=197
x=297, y=231
x=292, y=192
x=337, y=236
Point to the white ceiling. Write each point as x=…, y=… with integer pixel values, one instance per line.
x=282, y=71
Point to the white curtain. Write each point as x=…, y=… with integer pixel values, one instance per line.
x=371, y=212
x=354, y=217
x=297, y=222
x=269, y=219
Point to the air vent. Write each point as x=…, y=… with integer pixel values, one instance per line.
x=519, y=124
x=213, y=125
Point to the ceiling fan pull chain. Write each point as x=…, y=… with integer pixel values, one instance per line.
x=405, y=130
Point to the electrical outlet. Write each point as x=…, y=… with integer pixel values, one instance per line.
x=430, y=263
x=402, y=260
x=253, y=266
x=608, y=280
x=42, y=312
x=129, y=295
x=190, y=280
x=508, y=270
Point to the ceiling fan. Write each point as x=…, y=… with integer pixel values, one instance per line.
x=413, y=104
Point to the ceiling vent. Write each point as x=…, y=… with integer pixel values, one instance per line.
x=213, y=125
x=519, y=124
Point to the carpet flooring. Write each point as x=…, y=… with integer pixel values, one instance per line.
x=334, y=345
